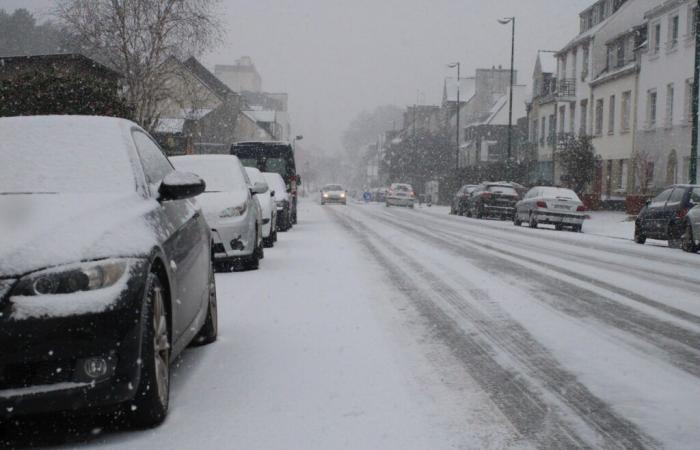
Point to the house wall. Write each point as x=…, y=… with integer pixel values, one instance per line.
x=185, y=92
x=671, y=133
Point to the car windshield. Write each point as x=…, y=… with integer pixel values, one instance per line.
x=59, y=155
x=484, y=232
x=220, y=175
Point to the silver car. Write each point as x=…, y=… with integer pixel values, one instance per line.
x=400, y=194
x=229, y=207
x=334, y=193
x=691, y=231
x=550, y=205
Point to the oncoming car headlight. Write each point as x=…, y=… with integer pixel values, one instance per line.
x=72, y=278
x=233, y=211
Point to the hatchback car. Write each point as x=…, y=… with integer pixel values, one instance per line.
x=230, y=209
x=691, y=225
x=550, y=205
x=268, y=208
x=493, y=200
x=334, y=193
x=461, y=199
x=282, y=200
x=664, y=216
x=400, y=194
x=105, y=268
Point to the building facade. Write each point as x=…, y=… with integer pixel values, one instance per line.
x=241, y=76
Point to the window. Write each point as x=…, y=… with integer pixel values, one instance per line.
x=688, y=103
x=692, y=21
x=543, y=135
x=672, y=168
x=651, y=109
x=626, y=110
x=562, y=117
x=552, y=127
x=155, y=165
x=676, y=197
x=584, y=117
x=657, y=38
x=599, y=105
x=535, y=128
x=673, y=28
x=620, y=53
x=669, y=104
x=572, y=118
x=624, y=173
x=584, y=63
x=660, y=200
x=610, y=57
x=611, y=115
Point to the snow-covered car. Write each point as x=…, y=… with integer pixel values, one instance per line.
x=691, y=228
x=334, y=193
x=268, y=208
x=550, y=205
x=282, y=200
x=230, y=209
x=105, y=268
x=400, y=194
x=664, y=216
x=492, y=200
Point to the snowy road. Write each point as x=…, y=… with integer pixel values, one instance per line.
x=373, y=327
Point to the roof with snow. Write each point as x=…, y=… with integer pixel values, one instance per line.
x=209, y=79
x=498, y=115
x=467, y=89
x=262, y=116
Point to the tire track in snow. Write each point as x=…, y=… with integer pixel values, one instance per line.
x=679, y=346
x=533, y=416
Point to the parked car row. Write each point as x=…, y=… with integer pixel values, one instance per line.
x=108, y=251
x=539, y=205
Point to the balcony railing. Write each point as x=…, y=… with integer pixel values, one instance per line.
x=566, y=87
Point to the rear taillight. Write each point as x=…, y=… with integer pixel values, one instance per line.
x=681, y=213
x=485, y=195
x=541, y=204
x=581, y=208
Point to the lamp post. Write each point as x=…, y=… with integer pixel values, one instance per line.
x=694, y=139
x=458, y=66
x=506, y=21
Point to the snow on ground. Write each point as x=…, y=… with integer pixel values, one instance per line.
x=318, y=351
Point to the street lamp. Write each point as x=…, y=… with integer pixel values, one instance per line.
x=452, y=66
x=506, y=21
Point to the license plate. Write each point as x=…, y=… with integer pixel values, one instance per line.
x=561, y=207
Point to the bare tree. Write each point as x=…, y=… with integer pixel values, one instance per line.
x=643, y=164
x=136, y=37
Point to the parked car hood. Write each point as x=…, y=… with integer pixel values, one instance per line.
x=42, y=230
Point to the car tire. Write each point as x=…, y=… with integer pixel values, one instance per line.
x=253, y=261
x=149, y=406
x=560, y=227
x=639, y=236
x=577, y=228
x=479, y=214
x=516, y=220
x=210, y=329
x=675, y=236
x=274, y=236
x=269, y=241
x=688, y=240
x=387, y=204
x=533, y=221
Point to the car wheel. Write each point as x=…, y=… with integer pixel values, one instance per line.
x=269, y=241
x=479, y=213
x=674, y=236
x=533, y=221
x=560, y=227
x=274, y=236
x=639, y=236
x=253, y=261
x=387, y=204
x=516, y=220
x=577, y=228
x=150, y=404
x=210, y=329
x=688, y=240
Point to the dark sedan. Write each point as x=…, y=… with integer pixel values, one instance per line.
x=105, y=268
x=493, y=200
x=460, y=202
x=664, y=216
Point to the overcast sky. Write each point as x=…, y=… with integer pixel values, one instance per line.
x=336, y=58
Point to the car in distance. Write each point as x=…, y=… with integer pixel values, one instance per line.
x=460, y=200
x=664, y=216
x=275, y=157
x=691, y=224
x=230, y=209
x=282, y=200
x=493, y=200
x=268, y=208
x=105, y=268
x=550, y=205
x=334, y=193
x=400, y=194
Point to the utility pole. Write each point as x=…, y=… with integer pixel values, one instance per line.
x=505, y=21
x=696, y=88
x=452, y=66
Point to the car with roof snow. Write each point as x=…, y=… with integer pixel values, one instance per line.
x=105, y=268
x=556, y=206
x=400, y=194
x=230, y=208
x=334, y=193
x=268, y=208
x=282, y=200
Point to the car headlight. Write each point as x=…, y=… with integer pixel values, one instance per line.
x=72, y=278
x=233, y=211
x=342, y=195
x=325, y=195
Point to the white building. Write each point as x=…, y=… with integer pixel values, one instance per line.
x=665, y=91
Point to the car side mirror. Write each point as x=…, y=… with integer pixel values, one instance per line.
x=179, y=186
x=272, y=193
x=299, y=179
x=259, y=188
